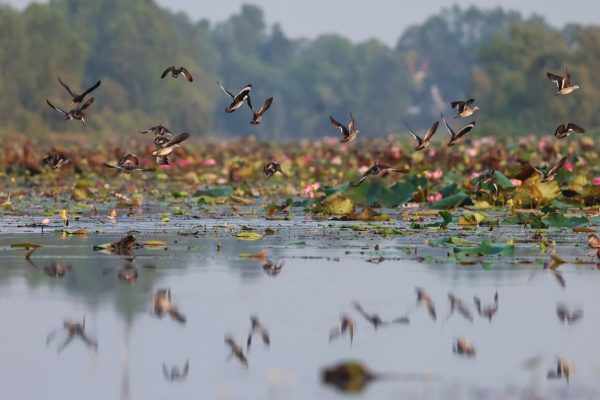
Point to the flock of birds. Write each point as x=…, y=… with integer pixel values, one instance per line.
x=165, y=142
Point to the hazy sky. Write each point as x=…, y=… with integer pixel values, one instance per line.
x=363, y=19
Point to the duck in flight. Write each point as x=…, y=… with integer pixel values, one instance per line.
x=375, y=319
x=375, y=170
x=159, y=130
x=76, y=113
x=257, y=116
x=55, y=161
x=456, y=136
x=128, y=164
x=464, y=108
x=78, y=98
x=272, y=168
x=562, y=82
x=347, y=324
x=238, y=99
x=176, y=72
x=564, y=131
x=165, y=145
x=348, y=133
x=424, y=142
x=257, y=328
x=551, y=173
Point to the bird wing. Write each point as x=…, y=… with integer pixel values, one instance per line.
x=249, y=101
x=343, y=130
x=87, y=104
x=431, y=131
x=187, y=74
x=556, y=79
x=166, y=71
x=177, y=139
x=560, y=130
x=129, y=161
x=557, y=166
x=226, y=91
x=459, y=105
x=450, y=130
x=464, y=130
x=470, y=102
x=567, y=81
x=91, y=89
x=56, y=108
x=351, y=123
x=265, y=106
x=575, y=128
x=66, y=87
x=417, y=137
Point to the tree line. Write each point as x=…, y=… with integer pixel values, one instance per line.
x=496, y=56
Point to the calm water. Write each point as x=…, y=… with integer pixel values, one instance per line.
x=325, y=270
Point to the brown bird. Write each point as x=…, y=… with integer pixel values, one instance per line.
x=422, y=143
x=551, y=173
x=163, y=305
x=271, y=268
x=257, y=328
x=175, y=72
x=176, y=374
x=456, y=136
x=423, y=297
x=349, y=133
x=347, y=324
x=375, y=319
x=464, y=347
x=566, y=315
x=76, y=113
x=78, y=98
x=375, y=170
x=73, y=329
x=165, y=145
x=128, y=273
x=56, y=161
x=238, y=99
x=272, y=168
x=594, y=241
x=489, y=310
x=236, y=350
x=257, y=116
x=564, y=131
x=563, y=83
x=128, y=163
x=464, y=108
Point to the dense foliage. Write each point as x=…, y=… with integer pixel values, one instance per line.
x=495, y=56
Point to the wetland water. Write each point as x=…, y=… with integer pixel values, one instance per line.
x=328, y=265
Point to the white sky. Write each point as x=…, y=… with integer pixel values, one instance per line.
x=363, y=19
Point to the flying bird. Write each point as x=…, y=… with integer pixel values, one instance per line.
x=458, y=304
x=423, y=297
x=163, y=305
x=236, y=350
x=159, y=130
x=464, y=108
x=551, y=173
x=566, y=315
x=175, y=72
x=76, y=113
x=272, y=168
x=78, y=98
x=456, y=136
x=564, y=131
x=347, y=324
x=55, y=161
x=348, y=133
x=74, y=330
x=424, y=142
x=375, y=319
x=238, y=99
x=375, y=170
x=128, y=163
x=257, y=116
x=562, y=82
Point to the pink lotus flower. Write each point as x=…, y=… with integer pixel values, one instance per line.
x=472, y=151
x=474, y=175
x=209, y=163
x=597, y=180
x=434, y=197
x=437, y=174
x=308, y=160
x=310, y=190
x=221, y=181
x=569, y=166
x=516, y=182
x=183, y=163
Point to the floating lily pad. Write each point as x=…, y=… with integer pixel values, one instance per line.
x=556, y=220
x=452, y=201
